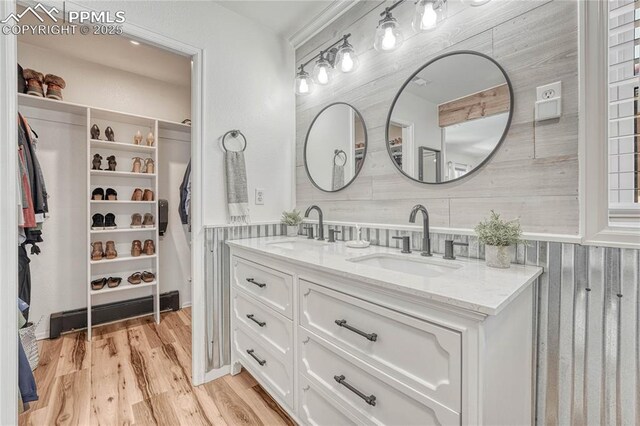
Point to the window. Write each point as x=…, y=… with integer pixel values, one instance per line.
x=623, y=131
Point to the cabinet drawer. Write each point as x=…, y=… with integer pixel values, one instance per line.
x=316, y=409
x=271, y=287
x=265, y=364
x=365, y=390
x=423, y=355
x=273, y=329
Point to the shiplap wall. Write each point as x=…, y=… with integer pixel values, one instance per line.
x=534, y=175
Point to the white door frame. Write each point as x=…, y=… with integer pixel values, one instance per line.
x=8, y=203
x=408, y=152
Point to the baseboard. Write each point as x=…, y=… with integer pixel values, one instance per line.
x=63, y=322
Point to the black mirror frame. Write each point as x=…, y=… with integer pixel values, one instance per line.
x=366, y=146
x=495, y=149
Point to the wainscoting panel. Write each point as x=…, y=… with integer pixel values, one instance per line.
x=587, y=319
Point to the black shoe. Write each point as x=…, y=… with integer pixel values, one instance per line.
x=111, y=194
x=110, y=221
x=98, y=221
x=97, y=194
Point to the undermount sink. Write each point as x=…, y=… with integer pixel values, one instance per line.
x=297, y=244
x=425, y=267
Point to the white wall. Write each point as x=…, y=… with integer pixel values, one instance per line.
x=248, y=85
x=105, y=87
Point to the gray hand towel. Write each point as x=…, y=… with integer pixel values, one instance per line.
x=337, y=181
x=237, y=195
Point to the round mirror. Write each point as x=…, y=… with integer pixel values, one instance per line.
x=449, y=117
x=335, y=147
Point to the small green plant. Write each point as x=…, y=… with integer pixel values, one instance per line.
x=291, y=218
x=498, y=232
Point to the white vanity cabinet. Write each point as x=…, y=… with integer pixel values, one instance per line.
x=333, y=349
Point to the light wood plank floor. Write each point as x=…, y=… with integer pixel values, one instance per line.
x=138, y=372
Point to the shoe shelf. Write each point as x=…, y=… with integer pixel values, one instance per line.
x=125, y=126
x=124, y=259
x=122, y=230
x=124, y=286
x=121, y=146
x=121, y=202
x=122, y=174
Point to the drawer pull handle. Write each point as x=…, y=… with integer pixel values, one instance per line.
x=369, y=336
x=371, y=400
x=253, y=355
x=260, y=323
x=252, y=281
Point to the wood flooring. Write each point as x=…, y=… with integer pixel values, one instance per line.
x=137, y=372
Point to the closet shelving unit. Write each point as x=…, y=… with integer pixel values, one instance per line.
x=125, y=125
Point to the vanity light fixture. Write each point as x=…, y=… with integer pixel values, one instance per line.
x=388, y=32
x=304, y=83
x=323, y=71
x=429, y=13
x=340, y=55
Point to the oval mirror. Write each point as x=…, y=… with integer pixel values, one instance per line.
x=335, y=147
x=449, y=117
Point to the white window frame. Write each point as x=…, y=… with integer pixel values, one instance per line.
x=593, y=132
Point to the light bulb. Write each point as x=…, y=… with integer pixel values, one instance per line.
x=389, y=40
x=323, y=71
x=347, y=63
x=429, y=17
x=304, y=84
x=346, y=58
x=323, y=76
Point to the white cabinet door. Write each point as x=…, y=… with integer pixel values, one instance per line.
x=316, y=409
x=271, y=287
x=422, y=355
x=265, y=364
x=366, y=390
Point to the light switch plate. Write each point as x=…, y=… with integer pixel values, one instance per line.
x=259, y=197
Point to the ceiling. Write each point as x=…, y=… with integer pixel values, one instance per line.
x=285, y=18
x=116, y=52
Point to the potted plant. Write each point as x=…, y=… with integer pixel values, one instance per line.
x=292, y=220
x=498, y=235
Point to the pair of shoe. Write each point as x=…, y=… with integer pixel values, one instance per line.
x=96, y=163
x=137, y=222
x=109, y=252
x=138, y=195
x=138, y=249
x=36, y=81
x=111, y=282
x=107, y=221
x=108, y=132
x=137, y=138
x=99, y=194
x=139, y=277
x=138, y=166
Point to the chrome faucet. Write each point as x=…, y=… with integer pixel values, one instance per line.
x=320, y=223
x=426, y=240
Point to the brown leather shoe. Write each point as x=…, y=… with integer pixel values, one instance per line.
x=113, y=282
x=110, y=250
x=148, y=277
x=98, y=284
x=135, y=278
x=149, y=166
x=148, y=195
x=149, y=247
x=97, y=253
x=136, y=248
x=136, y=220
x=137, y=195
x=136, y=166
x=149, y=222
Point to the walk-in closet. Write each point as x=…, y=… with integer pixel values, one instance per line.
x=105, y=236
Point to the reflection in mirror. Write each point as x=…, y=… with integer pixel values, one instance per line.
x=335, y=147
x=449, y=117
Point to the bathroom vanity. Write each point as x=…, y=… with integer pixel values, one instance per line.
x=372, y=336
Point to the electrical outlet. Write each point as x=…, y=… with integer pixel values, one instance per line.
x=549, y=91
x=259, y=197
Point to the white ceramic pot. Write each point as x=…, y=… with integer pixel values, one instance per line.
x=292, y=230
x=497, y=256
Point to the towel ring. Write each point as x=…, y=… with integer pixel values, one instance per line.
x=336, y=153
x=234, y=134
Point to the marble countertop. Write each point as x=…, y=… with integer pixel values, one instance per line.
x=467, y=283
